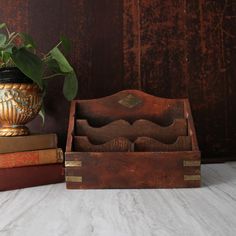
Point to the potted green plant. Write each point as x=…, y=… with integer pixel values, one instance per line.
x=23, y=77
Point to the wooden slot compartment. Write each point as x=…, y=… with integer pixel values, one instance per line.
x=147, y=144
x=129, y=105
x=139, y=128
x=122, y=144
x=141, y=135
x=119, y=144
x=132, y=140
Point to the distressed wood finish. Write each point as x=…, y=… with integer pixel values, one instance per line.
x=141, y=127
x=140, y=144
x=166, y=48
x=131, y=161
x=187, y=49
x=133, y=170
x=159, y=110
x=146, y=144
x=119, y=144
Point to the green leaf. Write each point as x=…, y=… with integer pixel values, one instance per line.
x=6, y=56
x=59, y=64
x=2, y=25
x=63, y=64
x=9, y=49
x=29, y=64
x=52, y=65
x=70, y=87
x=42, y=114
x=28, y=40
x=3, y=39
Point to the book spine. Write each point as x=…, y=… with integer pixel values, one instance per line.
x=27, y=143
x=30, y=176
x=40, y=157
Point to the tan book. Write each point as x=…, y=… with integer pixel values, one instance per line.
x=30, y=158
x=28, y=143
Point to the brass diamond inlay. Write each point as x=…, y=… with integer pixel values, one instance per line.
x=130, y=101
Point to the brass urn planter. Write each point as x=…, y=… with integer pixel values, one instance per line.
x=20, y=102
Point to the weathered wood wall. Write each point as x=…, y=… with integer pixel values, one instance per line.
x=172, y=48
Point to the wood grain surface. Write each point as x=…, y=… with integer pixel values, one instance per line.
x=139, y=128
x=167, y=48
x=147, y=144
x=121, y=149
x=119, y=144
x=132, y=170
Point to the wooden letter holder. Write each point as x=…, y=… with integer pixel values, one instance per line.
x=131, y=140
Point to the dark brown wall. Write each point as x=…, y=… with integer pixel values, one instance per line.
x=167, y=48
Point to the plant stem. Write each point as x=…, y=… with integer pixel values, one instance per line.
x=9, y=42
x=58, y=44
x=51, y=76
x=45, y=57
x=54, y=47
x=8, y=32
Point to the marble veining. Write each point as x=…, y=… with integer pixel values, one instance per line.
x=52, y=210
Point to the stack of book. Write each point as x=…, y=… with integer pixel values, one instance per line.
x=27, y=161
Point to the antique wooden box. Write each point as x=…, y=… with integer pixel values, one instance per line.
x=131, y=140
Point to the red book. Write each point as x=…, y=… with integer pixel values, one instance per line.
x=23, y=177
x=31, y=158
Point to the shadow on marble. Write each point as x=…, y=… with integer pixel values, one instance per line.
x=217, y=174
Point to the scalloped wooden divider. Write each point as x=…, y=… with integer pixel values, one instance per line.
x=140, y=128
x=121, y=144
x=132, y=140
x=130, y=105
x=83, y=144
x=146, y=144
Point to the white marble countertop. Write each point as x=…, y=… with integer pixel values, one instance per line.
x=53, y=210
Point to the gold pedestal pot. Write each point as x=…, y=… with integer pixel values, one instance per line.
x=19, y=104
